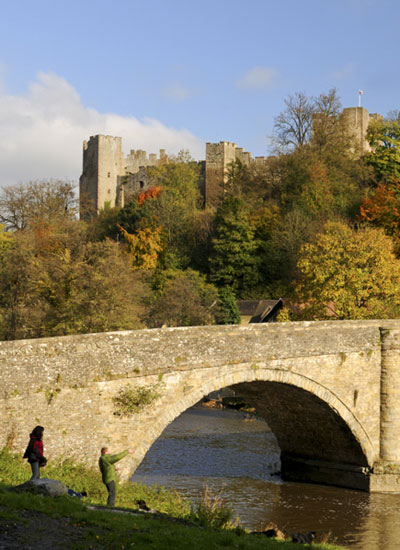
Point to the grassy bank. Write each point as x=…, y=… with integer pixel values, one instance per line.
x=35, y=522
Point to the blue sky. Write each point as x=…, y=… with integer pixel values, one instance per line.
x=176, y=74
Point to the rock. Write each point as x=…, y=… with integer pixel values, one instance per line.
x=44, y=486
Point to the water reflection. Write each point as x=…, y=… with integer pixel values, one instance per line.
x=226, y=451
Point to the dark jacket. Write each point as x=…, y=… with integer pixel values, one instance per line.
x=34, y=450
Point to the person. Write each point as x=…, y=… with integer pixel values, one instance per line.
x=34, y=452
x=109, y=472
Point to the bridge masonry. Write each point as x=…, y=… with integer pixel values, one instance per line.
x=330, y=391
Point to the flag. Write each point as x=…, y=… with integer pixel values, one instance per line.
x=360, y=92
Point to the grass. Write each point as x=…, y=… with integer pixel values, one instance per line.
x=68, y=523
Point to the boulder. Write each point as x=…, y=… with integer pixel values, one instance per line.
x=44, y=486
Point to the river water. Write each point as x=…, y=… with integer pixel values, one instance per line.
x=237, y=455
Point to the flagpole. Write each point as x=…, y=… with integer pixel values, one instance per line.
x=360, y=93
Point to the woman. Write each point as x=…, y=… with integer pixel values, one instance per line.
x=34, y=451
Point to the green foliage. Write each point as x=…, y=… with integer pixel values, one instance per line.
x=174, y=527
x=14, y=471
x=384, y=137
x=348, y=274
x=230, y=314
x=284, y=315
x=183, y=298
x=129, y=401
x=233, y=261
x=211, y=511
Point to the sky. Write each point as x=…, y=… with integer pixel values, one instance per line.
x=174, y=74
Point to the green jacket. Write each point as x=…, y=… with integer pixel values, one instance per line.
x=107, y=468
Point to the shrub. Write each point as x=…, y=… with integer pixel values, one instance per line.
x=130, y=400
x=212, y=511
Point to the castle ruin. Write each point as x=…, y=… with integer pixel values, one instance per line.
x=109, y=177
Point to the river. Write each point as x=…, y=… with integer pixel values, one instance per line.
x=238, y=455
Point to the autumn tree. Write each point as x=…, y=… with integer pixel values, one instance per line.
x=17, y=297
x=175, y=208
x=24, y=205
x=384, y=137
x=381, y=208
x=348, y=274
x=183, y=298
x=54, y=282
x=144, y=246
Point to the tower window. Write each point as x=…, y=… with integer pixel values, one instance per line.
x=109, y=174
x=141, y=183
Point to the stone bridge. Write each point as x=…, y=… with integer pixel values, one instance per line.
x=330, y=391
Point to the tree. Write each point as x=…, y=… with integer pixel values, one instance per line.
x=233, y=260
x=144, y=247
x=230, y=314
x=330, y=138
x=16, y=292
x=382, y=209
x=384, y=137
x=293, y=126
x=25, y=205
x=184, y=298
x=175, y=207
x=348, y=274
x=53, y=282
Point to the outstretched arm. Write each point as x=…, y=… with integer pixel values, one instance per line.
x=114, y=458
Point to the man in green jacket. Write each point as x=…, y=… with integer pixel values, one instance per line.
x=108, y=471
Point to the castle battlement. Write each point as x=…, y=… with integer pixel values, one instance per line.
x=110, y=177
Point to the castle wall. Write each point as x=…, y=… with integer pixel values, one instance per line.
x=108, y=176
x=138, y=159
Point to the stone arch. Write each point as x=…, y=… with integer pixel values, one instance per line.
x=246, y=374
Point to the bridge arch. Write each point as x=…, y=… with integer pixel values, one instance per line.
x=343, y=377
x=327, y=432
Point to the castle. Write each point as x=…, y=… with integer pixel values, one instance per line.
x=109, y=177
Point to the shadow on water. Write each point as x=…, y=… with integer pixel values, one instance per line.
x=228, y=451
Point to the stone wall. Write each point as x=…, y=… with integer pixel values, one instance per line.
x=317, y=384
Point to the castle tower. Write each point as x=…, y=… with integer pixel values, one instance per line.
x=102, y=170
x=356, y=121
x=218, y=157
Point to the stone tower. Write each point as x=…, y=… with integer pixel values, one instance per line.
x=102, y=170
x=356, y=120
x=218, y=158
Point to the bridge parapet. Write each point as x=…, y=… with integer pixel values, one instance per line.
x=68, y=384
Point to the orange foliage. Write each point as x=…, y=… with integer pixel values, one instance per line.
x=151, y=193
x=383, y=210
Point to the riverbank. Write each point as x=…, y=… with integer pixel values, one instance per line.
x=40, y=523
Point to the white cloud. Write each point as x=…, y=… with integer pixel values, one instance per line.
x=259, y=78
x=41, y=132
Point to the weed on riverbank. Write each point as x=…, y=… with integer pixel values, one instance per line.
x=35, y=522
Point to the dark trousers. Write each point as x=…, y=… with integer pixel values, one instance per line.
x=35, y=470
x=111, y=493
